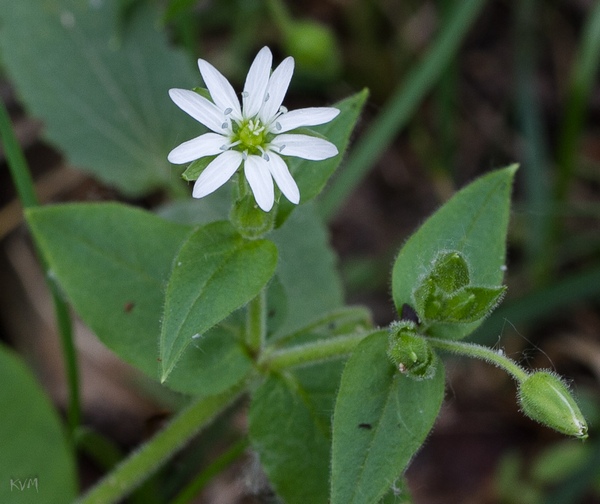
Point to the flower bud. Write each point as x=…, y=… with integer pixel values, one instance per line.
x=410, y=352
x=545, y=398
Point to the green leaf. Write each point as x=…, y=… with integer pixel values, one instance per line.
x=37, y=463
x=101, y=91
x=474, y=223
x=113, y=262
x=307, y=270
x=311, y=176
x=381, y=419
x=215, y=272
x=290, y=428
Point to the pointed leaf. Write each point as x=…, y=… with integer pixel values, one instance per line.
x=215, y=272
x=473, y=222
x=37, y=463
x=113, y=262
x=381, y=419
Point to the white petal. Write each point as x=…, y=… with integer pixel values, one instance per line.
x=256, y=82
x=278, y=85
x=199, y=108
x=283, y=178
x=208, y=144
x=261, y=183
x=220, y=90
x=303, y=146
x=303, y=117
x=219, y=171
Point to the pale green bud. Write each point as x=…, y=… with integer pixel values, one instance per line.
x=410, y=352
x=545, y=398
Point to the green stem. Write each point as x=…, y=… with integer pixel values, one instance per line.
x=194, y=487
x=256, y=322
x=310, y=353
x=25, y=189
x=480, y=352
x=156, y=452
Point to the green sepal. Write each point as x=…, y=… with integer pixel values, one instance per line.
x=205, y=93
x=249, y=220
x=409, y=352
x=193, y=171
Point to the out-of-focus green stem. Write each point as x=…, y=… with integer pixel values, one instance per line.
x=156, y=452
x=582, y=81
x=400, y=107
x=193, y=489
x=25, y=189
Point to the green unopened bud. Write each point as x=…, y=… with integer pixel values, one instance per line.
x=545, y=398
x=314, y=48
x=410, y=352
x=446, y=294
x=250, y=221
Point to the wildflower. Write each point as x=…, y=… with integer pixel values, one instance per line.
x=259, y=134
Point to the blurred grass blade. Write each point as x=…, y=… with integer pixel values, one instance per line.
x=401, y=106
x=582, y=80
x=535, y=151
x=24, y=185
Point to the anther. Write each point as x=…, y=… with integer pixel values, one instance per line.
x=225, y=125
x=228, y=111
x=267, y=96
x=278, y=126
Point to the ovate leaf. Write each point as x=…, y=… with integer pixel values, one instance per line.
x=290, y=428
x=215, y=272
x=100, y=86
x=113, y=262
x=381, y=419
x=37, y=463
x=474, y=223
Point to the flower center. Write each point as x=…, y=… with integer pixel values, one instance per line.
x=251, y=135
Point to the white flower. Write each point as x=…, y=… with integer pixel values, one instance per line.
x=257, y=134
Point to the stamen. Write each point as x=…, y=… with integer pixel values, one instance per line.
x=228, y=111
x=267, y=96
x=266, y=156
x=245, y=155
x=245, y=94
x=225, y=125
x=224, y=147
x=283, y=109
x=281, y=147
x=277, y=125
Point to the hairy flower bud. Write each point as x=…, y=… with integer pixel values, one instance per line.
x=545, y=398
x=410, y=352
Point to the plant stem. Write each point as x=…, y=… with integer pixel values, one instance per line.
x=256, y=323
x=194, y=487
x=481, y=352
x=310, y=353
x=21, y=176
x=156, y=452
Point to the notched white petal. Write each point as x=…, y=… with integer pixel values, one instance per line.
x=276, y=89
x=256, y=82
x=218, y=171
x=201, y=109
x=303, y=146
x=208, y=144
x=283, y=178
x=220, y=89
x=259, y=177
x=300, y=118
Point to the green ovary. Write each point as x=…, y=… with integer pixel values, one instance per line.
x=252, y=135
